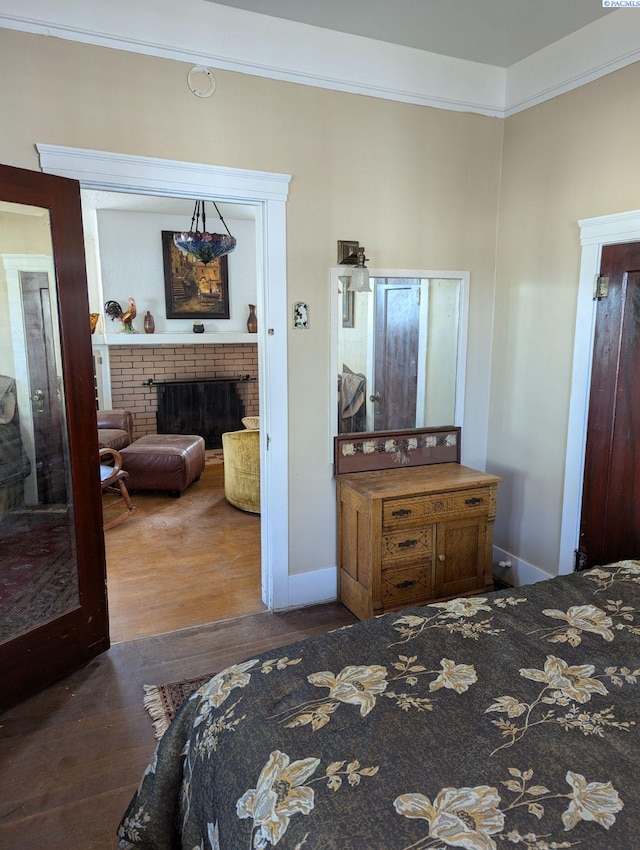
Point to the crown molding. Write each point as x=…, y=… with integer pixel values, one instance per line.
x=605, y=46
x=250, y=43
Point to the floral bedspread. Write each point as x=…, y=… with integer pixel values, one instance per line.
x=508, y=720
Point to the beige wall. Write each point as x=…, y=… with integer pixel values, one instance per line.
x=417, y=186
x=573, y=157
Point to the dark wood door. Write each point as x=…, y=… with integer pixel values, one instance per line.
x=610, y=517
x=56, y=619
x=396, y=354
x=43, y=388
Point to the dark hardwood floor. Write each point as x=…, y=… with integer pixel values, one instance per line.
x=72, y=756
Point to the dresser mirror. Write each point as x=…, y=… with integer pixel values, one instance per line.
x=53, y=613
x=36, y=514
x=399, y=351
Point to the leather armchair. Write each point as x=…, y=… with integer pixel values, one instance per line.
x=115, y=429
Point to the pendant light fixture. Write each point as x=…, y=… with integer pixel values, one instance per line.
x=352, y=254
x=204, y=246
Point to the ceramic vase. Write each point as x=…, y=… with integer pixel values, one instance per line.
x=252, y=321
x=149, y=323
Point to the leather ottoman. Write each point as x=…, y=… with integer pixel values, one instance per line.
x=164, y=462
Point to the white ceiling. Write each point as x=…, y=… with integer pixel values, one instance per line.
x=494, y=32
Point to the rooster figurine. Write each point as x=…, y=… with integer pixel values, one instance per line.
x=114, y=310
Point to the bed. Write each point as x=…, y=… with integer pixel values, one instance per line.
x=507, y=720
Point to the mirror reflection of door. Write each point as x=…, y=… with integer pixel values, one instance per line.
x=44, y=388
x=52, y=594
x=400, y=355
x=397, y=332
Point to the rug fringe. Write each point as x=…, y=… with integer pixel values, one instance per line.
x=154, y=705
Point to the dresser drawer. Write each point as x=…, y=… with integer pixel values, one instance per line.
x=407, y=544
x=401, y=587
x=432, y=508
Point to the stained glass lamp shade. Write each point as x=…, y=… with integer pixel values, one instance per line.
x=204, y=246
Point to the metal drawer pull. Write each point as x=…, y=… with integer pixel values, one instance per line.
x=407, y=544
x=474, y=501
x=404, y=584
x=401, y=512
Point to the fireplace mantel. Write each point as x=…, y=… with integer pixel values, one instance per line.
x=172, y=339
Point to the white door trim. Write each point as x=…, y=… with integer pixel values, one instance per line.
x=114, y=172
x=594, y=233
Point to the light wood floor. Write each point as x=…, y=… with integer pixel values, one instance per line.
x=177, y=563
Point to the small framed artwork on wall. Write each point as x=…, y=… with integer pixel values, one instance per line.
x=194, y=290
x=300, y=316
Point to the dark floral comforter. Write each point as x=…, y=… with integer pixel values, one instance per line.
x=508, y=720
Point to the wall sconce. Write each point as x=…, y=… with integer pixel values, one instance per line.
x=351, y=254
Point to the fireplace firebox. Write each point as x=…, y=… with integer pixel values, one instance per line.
x=208, y=407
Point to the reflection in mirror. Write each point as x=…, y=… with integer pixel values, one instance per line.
x=399, y=350
x=38, y=566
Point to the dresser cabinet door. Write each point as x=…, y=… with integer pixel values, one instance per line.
x=460, y=556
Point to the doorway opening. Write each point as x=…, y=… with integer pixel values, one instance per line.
x=267, y=193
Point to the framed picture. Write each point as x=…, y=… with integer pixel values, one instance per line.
x=300, y=316
x=347, y=308
x=193, y=290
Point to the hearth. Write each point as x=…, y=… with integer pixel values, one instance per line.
x=208, y=407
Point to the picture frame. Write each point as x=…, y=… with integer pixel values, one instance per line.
x=347, y=308
x=194, y=290
x=300, y=316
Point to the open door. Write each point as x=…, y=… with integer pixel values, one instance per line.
x=53, y=604
x=610, y=519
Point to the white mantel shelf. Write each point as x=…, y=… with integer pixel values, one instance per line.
x=172, y=338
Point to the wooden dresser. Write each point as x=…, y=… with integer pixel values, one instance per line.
x=413, y=535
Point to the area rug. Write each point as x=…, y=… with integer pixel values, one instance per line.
x=38, y=575
x=163, y=701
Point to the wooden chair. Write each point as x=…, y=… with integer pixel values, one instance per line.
x=112, y=480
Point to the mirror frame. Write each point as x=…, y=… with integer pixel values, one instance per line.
x=335, y=290
x=50, y=651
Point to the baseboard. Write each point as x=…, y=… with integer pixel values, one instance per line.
x=320, y=586
x=519, y=573
x=313, y=588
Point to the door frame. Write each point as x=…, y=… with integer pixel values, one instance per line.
x=594, y=234
x=268, y=192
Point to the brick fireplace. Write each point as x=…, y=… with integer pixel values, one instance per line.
x=133, y=366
